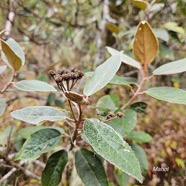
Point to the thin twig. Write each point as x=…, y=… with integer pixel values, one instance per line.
x=19, y=167
x=140, y=86
x=8, y=84
x=6, y=176
x=69, y=102
x=77, y=127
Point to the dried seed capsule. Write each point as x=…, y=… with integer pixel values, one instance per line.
x=119, y=114
x=58, y=78
x=111, y=114
x=73, y=69
x=80, y=74
x=60, y=71
x=65, y=77
x=107, y=117
x=51, y=73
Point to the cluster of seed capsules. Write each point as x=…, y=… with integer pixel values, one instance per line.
x=112, y=115
x=65, y=78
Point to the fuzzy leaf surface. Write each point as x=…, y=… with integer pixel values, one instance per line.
x=103, y=74
x=171, y=68
x=33, y=86
x=168, y=94
x=37, y=114
x=55, y=165
x=38, y=143
x=110, y=145
x=87, y=162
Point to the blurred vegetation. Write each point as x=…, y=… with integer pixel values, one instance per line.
x=74, y=33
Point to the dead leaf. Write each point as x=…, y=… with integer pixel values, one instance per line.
x=145, y=46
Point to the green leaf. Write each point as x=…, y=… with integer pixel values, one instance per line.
x=142, y=158
x=124, y=58
x=37, y=114
x=121, y=177
x=38, y=143
x=168, y=94
x=166, y=52
x=12, y=54
x=139, y=107
x=118, y=80
x=140, y=137
x=55, y=165
x=161, y=34
x=105, y=103
x=103, y=74
x=171, y=68
x=90, y=169
x=180, y=163
x=33, y=86
x=2, y=106
x=25, y=133
x=110, y=145
x=173, y=26
x=125, y=124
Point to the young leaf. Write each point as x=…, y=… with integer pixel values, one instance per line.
x=33, y=86
x=168, y=94
x=37, y=114
x=12, y=54
x=90, y=169
x=145, y=45
x=124, y=58
x=140, y=137
x=171, y=68
x=110, y=145
x=38, y=143
x=103, y=74
x=142, y=158
x=139, y=106
x=2, y=106
x=105, y=103
x=125, y=124
x=119, y=80
x=55, y=165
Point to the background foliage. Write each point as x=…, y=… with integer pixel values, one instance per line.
x=73, y=33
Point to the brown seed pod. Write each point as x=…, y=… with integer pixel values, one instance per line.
x=58, y=78
x=119, y=114
x=111, y=114
x=51, y=73
x=75, y=97
x=60, y=71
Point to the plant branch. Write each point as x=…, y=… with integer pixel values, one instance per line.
x=140, y=86
x=8, y=84
x=19, y=167
x=69, y=102
x=77, y=127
